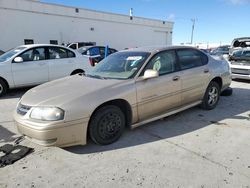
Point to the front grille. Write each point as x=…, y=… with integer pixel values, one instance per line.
x=240, y=71
x=22, y=109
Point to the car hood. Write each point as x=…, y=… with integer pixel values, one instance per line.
x=61, y=91
x=240, y=63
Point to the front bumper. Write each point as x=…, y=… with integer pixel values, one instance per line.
x=240, y=76
x=63, y=133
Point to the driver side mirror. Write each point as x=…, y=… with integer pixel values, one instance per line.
x=150, y=73
x=18, y=60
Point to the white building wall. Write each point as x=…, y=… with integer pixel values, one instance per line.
x=27, y=19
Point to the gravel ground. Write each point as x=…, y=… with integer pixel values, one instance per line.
x=194, y=148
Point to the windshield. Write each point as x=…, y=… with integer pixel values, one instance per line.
x=241, y=53
x=120, y=65
x=7, y=55
x=241, y=56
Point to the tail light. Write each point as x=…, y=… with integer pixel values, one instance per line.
x=91, y=61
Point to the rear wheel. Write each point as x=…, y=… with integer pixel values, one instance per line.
x=3, y=88
x=107, y=125
x=212, y=96
x=77, y=72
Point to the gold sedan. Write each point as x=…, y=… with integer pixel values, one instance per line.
x=128, y=88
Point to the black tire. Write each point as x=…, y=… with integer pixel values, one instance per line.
x=3, y=88
x=107, y=125
x=212, y=96
x=227, y=92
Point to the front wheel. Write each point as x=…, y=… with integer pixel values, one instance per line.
x=107, y=125
x=211, y=97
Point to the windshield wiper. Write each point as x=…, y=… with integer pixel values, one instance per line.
x=95, y=76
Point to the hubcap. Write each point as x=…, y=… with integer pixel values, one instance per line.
x=110, y=125
x=213, y=96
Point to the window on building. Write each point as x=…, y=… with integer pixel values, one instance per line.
x=28, y=41
x=53, y=42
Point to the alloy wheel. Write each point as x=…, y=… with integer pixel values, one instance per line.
x=213, y=96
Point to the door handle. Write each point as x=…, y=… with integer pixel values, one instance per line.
x=176, y=78
x=206, y=70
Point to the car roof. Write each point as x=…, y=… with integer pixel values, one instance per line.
x=87, y=47
x=152, y=49
x=222, y=46
x=38, y=45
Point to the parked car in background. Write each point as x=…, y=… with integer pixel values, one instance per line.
x=1, y=52
x=221, y=50
x=76, y=45
x=128, y=88
x=29, y=65
x=240, y=64
x=204, y=50
x=239, y=43
x=96, y=53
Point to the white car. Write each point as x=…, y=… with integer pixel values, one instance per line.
x=34, y=64
x=240, y=64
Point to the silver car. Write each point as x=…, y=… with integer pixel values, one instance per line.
x=239, y=58
x=128, y=88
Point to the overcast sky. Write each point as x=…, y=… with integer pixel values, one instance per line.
x=217, y=21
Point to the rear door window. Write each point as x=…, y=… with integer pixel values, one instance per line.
x=190, y=58
x=60, y=53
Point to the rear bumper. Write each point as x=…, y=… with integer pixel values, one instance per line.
x=54, y=134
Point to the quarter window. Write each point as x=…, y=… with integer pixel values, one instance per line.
x=189, y=58
x=70, y=54
x=163, y=62
x=34, y=54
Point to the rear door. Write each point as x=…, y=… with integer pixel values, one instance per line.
x=157, y=96
x=33, y=70
x=194, y=74
x=61, y=62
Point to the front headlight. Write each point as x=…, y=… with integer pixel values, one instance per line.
x=47, y=113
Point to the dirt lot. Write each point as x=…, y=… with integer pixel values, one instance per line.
x=194, y=148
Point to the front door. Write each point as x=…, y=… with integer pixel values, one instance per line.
x=159, y=95
x=33, y=70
